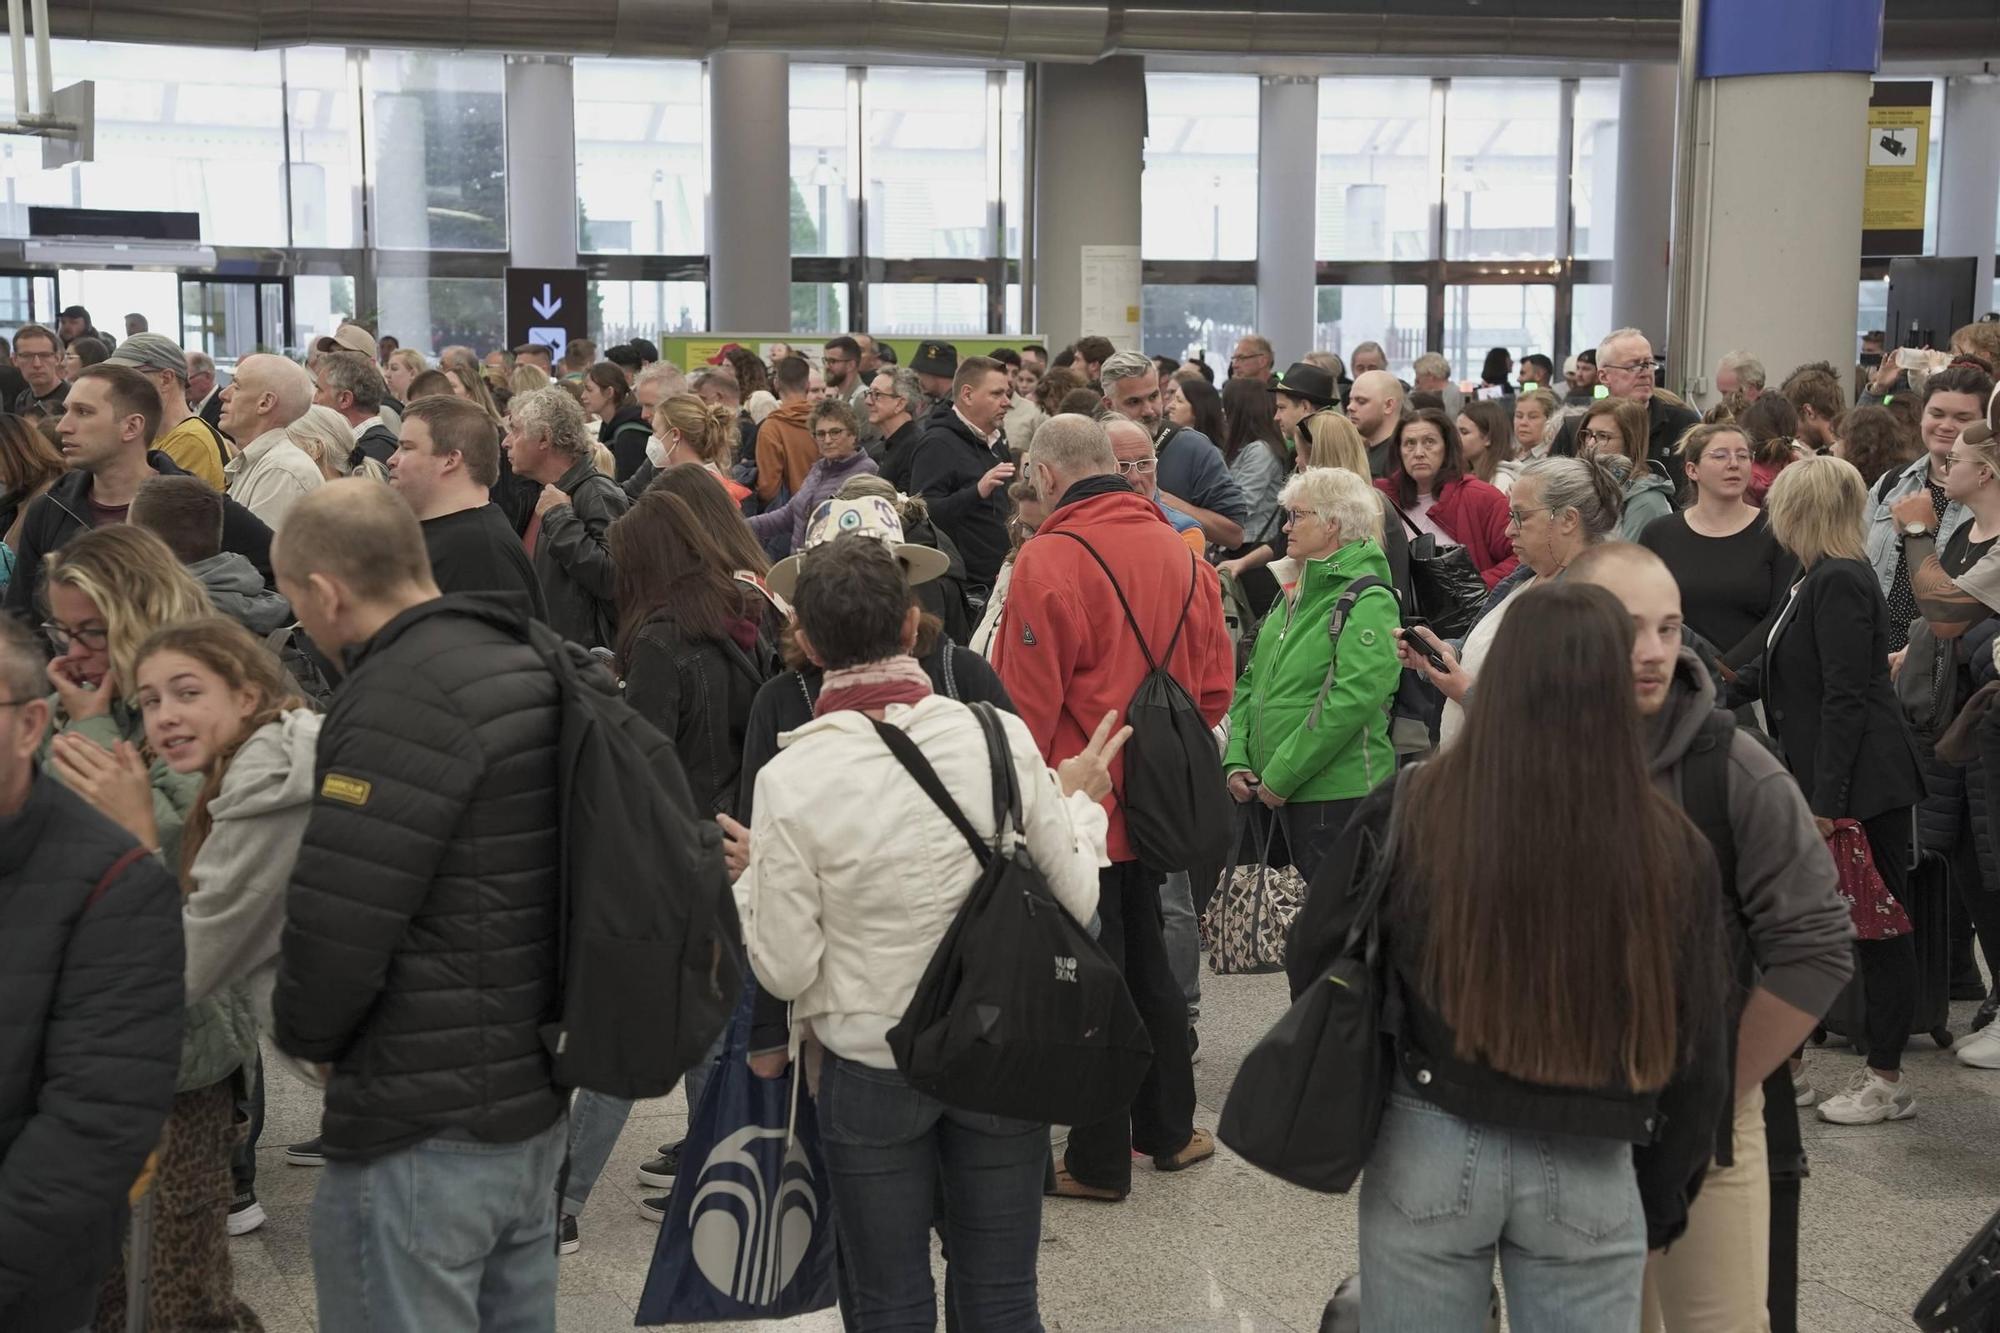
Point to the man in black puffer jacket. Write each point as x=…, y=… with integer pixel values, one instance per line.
x=91, y=989
x=961, y=467
x=419, y=951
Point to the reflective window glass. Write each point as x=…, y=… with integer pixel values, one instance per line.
x=1593, y=190
x=913, y=309
x=437, y=138
x=1179, y=321
x=1198, y=194
x=928, y=179
x=431, y=314
x=641, y=180
x=821, y=215
x=1376, y=184
x=1589, y=316
x=1391, y=316
x=819, y=307
x=1872, y=311
x=1521, y=319
x=1500, y=168
x=622, y=311
x=320, y=111
x=1013, y=157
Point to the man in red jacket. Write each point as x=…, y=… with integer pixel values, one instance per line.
x=1067, y=657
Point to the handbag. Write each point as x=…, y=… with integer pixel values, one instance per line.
x=748, y=1232
x=1020, y=1013
x=1308, y=1098
x=1927, y=683
x=1446, y=587
x=1870, y=906
x=1252, y=909
x=1966, y=1296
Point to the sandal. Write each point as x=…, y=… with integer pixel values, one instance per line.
x=1068, y=1186
x=1199, y=1148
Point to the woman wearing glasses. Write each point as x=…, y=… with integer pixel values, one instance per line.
x=1616, y=427
x=838, y=435
x=1436, y=494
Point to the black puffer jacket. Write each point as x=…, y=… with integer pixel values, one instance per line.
x=625, y=433
x=419, y=951
x=91, y=1013
x=945, y=470
x=572, y=560
x=698, y=691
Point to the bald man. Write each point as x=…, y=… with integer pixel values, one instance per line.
x=1375, y=406
x=268, y=394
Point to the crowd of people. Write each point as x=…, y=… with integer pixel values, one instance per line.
x=1593, y=686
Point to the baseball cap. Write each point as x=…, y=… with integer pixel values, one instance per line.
x=348, y=338
x=150, y=351
x=869, y=516
x=935, y=358
x=721, y=357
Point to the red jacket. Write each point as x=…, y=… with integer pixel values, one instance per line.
x=1475, y=514
x=1064, y=650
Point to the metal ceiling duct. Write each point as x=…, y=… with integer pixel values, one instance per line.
x=1056, y=30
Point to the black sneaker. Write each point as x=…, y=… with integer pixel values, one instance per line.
x=245, y=1215
x=570, y=1242
x=659, y=1173
x=654, y=1208
x=309, y=1153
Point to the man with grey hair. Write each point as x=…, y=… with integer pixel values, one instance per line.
x=203, y=398
x=1083, y=613
x=1627, y=368
x=271, y=473
x=895, y=404
x=1252, y=360
x=1366, y=357
x=352, y=385
x=547, y=442
x=1192, y=475
x=1739, y=371
x=662, y=379
x=1431, y=373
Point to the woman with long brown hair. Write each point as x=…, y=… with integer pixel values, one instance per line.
x=621, y=421
x=1565, y=1007
x=29, y=465
x=1486, y=437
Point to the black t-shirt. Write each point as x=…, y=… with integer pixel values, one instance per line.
x=1962, y=553
x=1728, y=584
x=475, y=550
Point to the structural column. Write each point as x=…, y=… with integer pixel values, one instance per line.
x=749, y=192
x=1969, y=177
x=1090, y=139
x=1287, y=213
x=1772, y=242
x=541, y=162
x=1642, y=225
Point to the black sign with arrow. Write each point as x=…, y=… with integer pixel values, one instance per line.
x=547, y=306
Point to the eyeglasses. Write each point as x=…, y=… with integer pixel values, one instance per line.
x=1651, y=367
x=61, y=635
x=1519, y=517
x=829, y=436
x=1293, y=517
x=1139, y=465
x=1245, y=356
x=1950, y=459
x=34, y=356
x=1598, y=436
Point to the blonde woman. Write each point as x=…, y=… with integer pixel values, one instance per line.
x=1537, y=416
x=688, y=430
x=404, y=365
x=326, y=438
x=526, y=379
x=1328, y=439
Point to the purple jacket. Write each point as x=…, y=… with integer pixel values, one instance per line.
x=822, y=480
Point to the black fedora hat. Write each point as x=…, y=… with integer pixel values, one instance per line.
x=1309, y=382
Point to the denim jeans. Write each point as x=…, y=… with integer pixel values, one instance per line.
x=448, y=1236
x=1183, y=940
x=1311, y=830
x=888, y=1149
x=1442, y=1196
x=596, y=1120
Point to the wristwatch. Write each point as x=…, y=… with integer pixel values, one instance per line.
x=1916, y=530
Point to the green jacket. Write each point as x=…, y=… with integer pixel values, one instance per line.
x=1348, y=752
x=173, y=793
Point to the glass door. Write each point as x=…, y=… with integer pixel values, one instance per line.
x=231, y=318
x=26, y=298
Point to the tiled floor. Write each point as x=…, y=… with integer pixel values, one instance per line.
x=1224, y=1247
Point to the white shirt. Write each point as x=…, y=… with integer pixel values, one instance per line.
x=992, y=437
x=270, y=475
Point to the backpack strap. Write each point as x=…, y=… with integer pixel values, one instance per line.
x=1705, y=790
x=919, y=768
x=1005, y=788
x=1126, y=607
x=131, y=857
x=1334, y=625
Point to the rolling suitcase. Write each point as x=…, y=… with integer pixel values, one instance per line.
x=1927, y=900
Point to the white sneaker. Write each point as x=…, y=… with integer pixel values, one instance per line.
x=1802, y=1091
x=1980, y=1049
x=1869, y=1100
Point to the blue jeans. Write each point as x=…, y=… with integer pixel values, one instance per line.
x=1177, y=925
x=888, y=1147
x=1441, y=1196
x=448, y=1236
x=597, y=1119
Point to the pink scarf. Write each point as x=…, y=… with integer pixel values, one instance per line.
x=873, y=686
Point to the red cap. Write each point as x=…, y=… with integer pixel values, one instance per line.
x=722, y=356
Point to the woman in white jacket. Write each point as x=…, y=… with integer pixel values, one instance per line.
x=854, y=877
x=217, y=703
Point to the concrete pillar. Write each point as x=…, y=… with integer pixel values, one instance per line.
x=1090, y=140
x=1642, y=225
x=1969, y=177
x=541, y=162
x=1287, y=212
x=749, y=192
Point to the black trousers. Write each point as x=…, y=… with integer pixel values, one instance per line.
x=1162, y=1116
x=1889, y=967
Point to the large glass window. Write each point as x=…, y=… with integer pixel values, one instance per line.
x=1198, y=196
x=820, y=159
x=437, y=137
x=910, y=309
x=1376, y=180
x=622, y=311
x=1179, y=320
x=1391, y=316
x=1500, y=168
x=325, y=160
x=1589, y=315
x=1521, y=319
x=928, y=177
x=1593, y=189
x=819, y=307
x=1013, y=164
x=1872, y=312
x=431, y=314
x=641, y=182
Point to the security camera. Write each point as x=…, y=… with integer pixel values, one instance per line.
x=1892, y=144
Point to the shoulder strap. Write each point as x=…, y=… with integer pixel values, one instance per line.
x=1380, y=870
x=1888, y=480
x=1334, y=625
x=1006, y=790
x=912, y=759
x=1705, y=790
x=1403, y=514
x=1123, y=605
x=131, y=857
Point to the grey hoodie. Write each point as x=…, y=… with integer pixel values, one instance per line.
x=235, y=908
x=1786, y=908
x=238, y=591
x=1648, y=496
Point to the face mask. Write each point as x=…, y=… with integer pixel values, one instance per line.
x=656, y=452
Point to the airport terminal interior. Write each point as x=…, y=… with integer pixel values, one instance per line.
x=1718, y=200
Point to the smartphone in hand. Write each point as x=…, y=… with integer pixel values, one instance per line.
x=1421, y=643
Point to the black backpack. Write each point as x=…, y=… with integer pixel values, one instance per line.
x=1177, y=808
x=1019, y=1013
x=303, y=663
x=646, y=974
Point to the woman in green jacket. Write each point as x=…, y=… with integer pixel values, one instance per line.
x=1309, y=729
